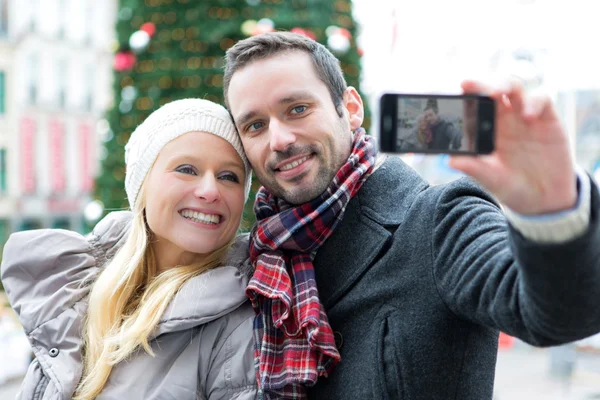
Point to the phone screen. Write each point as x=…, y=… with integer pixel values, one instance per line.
x=449, y=124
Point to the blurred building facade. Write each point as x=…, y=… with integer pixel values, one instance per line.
x=55, y=85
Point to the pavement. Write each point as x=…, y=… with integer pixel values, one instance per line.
x=526, y=373
x=522, y=373
x=9, y=390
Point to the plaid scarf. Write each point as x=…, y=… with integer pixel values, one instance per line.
x=294, y=342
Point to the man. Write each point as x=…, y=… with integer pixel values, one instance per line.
x=444, y=133
x=414, y=281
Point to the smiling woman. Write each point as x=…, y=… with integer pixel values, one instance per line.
x=153, y=301
x=201, y=211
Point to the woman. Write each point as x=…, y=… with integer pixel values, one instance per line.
x=165, y=316
x=423, y=133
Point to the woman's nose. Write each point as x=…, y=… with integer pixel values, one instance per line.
x=207, y=189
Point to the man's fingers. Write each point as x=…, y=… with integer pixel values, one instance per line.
x=538, y=106
x=515, y=95
x=499, y=92
x=476, y=87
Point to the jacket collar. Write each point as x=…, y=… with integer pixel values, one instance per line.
x=210, y=295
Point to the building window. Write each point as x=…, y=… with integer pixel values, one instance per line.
x=4, y=232
x=3, y=18
x=61, y=223
x=32, y=15
x=30, y=224
x=62, y=12
x=32, y=81
x=89, y=88
x=3, y=183
x=89, y=21
x=62, y=84
x=2, y=92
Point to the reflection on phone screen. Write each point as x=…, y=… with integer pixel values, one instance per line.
x=435, y=124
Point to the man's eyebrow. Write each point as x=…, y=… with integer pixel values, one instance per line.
x=246, y=117
x=296, y=96
x=300, y=95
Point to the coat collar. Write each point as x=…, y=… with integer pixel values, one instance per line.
x=210, y=295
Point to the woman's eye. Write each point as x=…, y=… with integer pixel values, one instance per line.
x=298, y=109
x=230, y=177
x=186, y=169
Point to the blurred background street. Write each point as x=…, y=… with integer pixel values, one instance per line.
x=77, y=76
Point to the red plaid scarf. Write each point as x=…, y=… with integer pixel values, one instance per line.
x=294, y=342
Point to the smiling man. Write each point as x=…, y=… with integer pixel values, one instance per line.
x=369, y=282
x=313, y=139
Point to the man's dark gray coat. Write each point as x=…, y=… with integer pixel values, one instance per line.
x=417, y=280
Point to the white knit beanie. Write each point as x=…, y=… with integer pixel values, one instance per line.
x=169, y=122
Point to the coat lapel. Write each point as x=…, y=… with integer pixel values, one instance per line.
x=347, y=255
x=371, y=218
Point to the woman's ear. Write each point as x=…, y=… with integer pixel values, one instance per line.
x=353, y=103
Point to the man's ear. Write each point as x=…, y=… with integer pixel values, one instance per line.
x=354, y=105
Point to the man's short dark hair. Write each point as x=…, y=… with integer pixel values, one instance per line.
x=259, y=47
x=431, y=105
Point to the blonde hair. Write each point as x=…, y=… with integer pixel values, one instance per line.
x=422, y=131
x=127, y=301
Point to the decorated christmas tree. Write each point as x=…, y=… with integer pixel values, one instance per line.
x=173, y=49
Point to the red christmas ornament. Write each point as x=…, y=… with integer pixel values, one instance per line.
x=345, y=32
x=304, y=32
x=149, y=28
x=298, y=31
x=124, y=60
x=360, y=51
x=310, y=34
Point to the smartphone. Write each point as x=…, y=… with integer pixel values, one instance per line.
x=436, y=123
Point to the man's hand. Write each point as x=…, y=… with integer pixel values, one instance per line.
x=531, y=170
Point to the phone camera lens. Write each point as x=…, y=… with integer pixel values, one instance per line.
x=486, y=125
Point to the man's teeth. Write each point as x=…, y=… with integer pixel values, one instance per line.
x=201, y=217
x=294, y=164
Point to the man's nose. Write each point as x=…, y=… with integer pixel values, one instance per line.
x=281, y=136
x=207, y=189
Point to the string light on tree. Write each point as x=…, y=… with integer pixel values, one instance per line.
x=129, y=93
x=248, y=27
x=338, y=39
x=139, y=41
x=264, y=25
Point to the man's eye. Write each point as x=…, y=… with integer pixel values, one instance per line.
x=230, y=176
x=186, y=169
x=253, y=127
x=298, y=109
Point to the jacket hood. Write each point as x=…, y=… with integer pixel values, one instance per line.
x=201, y=299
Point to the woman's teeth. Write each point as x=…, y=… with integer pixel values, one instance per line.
x=201, y=217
